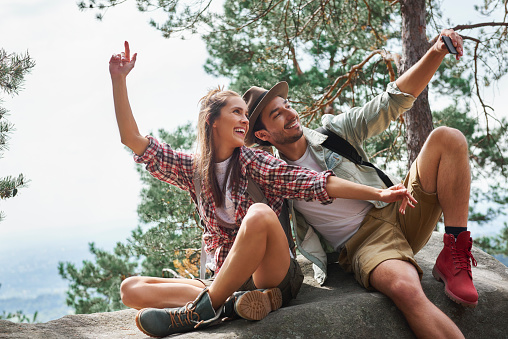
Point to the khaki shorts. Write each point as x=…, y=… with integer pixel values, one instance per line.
x=289, y=286
x=387, y=234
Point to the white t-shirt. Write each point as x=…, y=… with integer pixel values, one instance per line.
x=336, y=222
x=225, y=213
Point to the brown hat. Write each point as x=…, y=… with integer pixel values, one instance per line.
x=257, y=98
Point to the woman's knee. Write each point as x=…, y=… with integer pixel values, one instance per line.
x=128, y=290
x=260, y=216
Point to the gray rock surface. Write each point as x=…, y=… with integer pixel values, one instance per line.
x=339, y=309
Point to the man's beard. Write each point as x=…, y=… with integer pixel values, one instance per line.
x=281, y=139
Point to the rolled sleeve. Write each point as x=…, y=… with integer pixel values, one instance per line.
x=150, y=152
x=168, y=165
x=403, y=100
x=320, y=188
x=373, y=118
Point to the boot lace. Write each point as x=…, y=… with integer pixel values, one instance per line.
x=463, y=259
x=184, y=316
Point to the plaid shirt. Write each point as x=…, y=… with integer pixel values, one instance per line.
x=276, y=179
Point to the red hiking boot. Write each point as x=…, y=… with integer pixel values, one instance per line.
x=453, y=267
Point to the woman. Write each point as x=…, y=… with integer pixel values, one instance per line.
x=249, y=245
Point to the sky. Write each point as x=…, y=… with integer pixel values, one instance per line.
x=83, y=184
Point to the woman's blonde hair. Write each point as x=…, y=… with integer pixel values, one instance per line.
x=210, y=110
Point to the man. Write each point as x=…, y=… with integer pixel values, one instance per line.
x=375, y=242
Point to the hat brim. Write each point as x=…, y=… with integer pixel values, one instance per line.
x=279, y=90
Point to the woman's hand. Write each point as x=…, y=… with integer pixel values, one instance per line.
x=398, y=192
x=121, y=64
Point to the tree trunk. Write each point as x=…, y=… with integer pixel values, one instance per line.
x=418, y=119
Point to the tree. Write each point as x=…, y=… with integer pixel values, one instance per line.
x=340, y=53
x=167, y=243
x=13, y=68
x=324, y=47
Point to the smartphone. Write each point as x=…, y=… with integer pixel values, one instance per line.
x=449, y=45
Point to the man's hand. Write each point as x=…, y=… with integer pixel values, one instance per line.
x=398, y=192
x=440, y=47
x=121, y=64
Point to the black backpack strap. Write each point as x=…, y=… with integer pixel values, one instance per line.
x=202, y=261
x=339, y=145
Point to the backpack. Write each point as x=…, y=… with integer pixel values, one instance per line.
x=255, y=192
x=339, y=145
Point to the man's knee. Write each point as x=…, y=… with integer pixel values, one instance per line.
x=406, y=288
x=450, y=139
x=397, y=279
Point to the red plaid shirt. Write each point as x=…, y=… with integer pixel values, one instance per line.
x=276, y=179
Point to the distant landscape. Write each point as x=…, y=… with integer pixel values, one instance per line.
x=30, y=281
x=28, y=270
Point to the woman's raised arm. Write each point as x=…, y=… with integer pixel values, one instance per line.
x=119, y=67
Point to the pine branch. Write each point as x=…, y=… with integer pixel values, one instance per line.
x=13, y=68
x=9, y=186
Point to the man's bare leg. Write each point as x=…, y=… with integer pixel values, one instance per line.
x=443, y=165
x=399, y=281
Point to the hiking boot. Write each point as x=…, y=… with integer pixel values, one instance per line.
x=156, y=322
x=453, y=267
x=252, y=305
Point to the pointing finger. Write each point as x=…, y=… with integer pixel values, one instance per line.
x=127, y=51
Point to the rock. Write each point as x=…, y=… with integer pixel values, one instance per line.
x=341, y=308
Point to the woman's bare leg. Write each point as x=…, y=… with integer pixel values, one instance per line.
x=141, y=292
x=260, y=249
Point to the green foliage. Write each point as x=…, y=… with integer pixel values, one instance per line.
x=19, y=317
x=183, y=16
x=9, y=186
x=495, y=245
x=307, y=44
x=168, y=239
x=485, y=44
x=488, y=161
x=489, y=191
x=13, y=69
x=95, y=286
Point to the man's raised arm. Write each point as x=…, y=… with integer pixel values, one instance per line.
x=415, y=79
